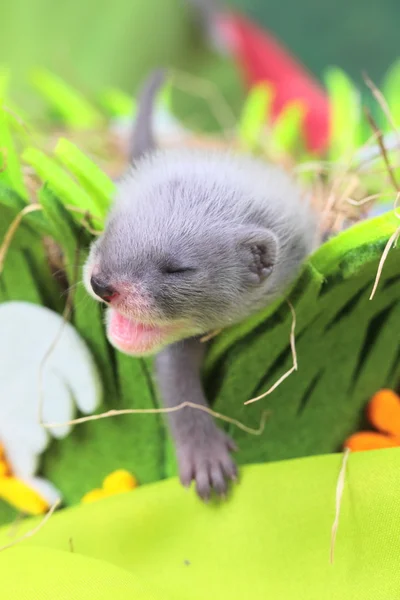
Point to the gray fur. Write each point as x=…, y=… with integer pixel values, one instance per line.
x=203, y=240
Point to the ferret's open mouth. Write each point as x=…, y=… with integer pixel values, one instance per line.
x=135, y=338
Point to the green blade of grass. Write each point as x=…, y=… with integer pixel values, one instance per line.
x=60, y=182
x=345, y=114
x=89, y=175
x=391, y=91
x=255, y=114
x=287, y=130
x=10, y=168
x=74, y=109
x=117, y=104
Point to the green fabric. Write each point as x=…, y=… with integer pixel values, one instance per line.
x=270, y=540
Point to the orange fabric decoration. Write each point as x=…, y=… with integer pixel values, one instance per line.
x=383, y=412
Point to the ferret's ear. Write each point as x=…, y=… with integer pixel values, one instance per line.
x=259, y=248
x=142, y=136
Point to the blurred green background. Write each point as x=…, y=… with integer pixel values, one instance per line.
x=94, y=44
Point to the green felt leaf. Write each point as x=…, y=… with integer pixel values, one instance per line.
x=74, y=109
x=345, y=115
x=93, y=180
x=255, y=114
x=62, y=184
x=18, y=279
x=10, y=204
x=26, y=274
x=391, y=91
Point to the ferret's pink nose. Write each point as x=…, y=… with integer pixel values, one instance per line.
x=102, y=289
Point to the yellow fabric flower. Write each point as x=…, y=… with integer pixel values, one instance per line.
x=116, y=483
x=17, y=493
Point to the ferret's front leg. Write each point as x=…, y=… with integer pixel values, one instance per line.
x=203, y=450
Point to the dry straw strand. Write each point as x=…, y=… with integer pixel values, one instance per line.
x=339, y=495
x=391, y=243
x=294, y=357
x=88, y=217
x=210, y=336
x=155, y=411
x=35, y=530
x=341, y=171
x=395, y=236
x=365, y=200
x=380, y=98
x=382, y=147
x=12, y=230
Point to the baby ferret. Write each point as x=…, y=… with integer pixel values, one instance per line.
x=195, y=241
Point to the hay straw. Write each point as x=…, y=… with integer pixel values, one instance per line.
x=363, y=201
x=35, y=530
x=65, y=318
x=156, y=411
x=15, y=525
x=210, y=336
x=392, y=241
x=339, y=495
x=13, y=229
x=334, y=200
x=381, y=144
x=294, y=356
x=87, y=217
x=380, y=98
x=395, y=236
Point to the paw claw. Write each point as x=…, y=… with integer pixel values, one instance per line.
x=207, y=461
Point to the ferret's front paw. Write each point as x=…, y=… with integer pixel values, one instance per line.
x=206, y=460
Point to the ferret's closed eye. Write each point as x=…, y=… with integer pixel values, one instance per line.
x=177, y=270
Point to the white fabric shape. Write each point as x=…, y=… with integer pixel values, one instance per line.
x=69, y=382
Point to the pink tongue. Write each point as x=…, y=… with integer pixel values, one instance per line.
x=126, y=331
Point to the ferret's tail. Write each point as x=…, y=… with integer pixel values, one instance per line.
x=143, y=141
